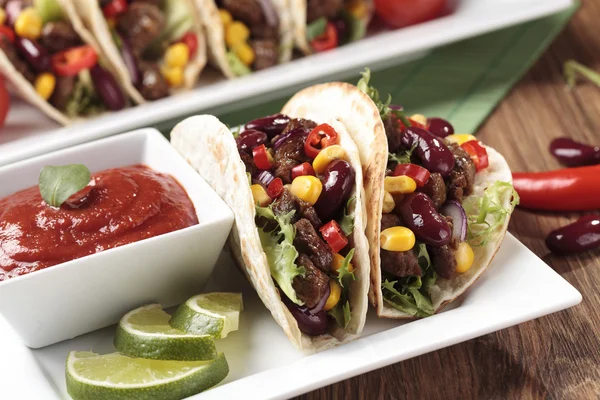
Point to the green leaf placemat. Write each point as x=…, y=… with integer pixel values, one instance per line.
x=461, y=82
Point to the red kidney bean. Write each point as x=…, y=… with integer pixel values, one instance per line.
x=574, y=154
x=440, y=127
x=250, y=139
x=582, y=235
x=431, y=150
x=419, y=214
x=272, y=125
x=311, y=324
x=36, y=55
x=338, y=182
x=107, y=87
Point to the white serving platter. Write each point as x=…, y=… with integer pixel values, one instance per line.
x=517, y=287
x=28, y=133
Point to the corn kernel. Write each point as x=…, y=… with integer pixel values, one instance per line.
x=397, y=238
x=420, y=118
x=460, y=138
x=173, y=75
x=260, y=195
x=226, y=17
x=388, y=203
x=245, y=53
x=2, y=16
x=358, y=9
x=177, y=55
x=327, y=156
x=400, y=184
x=335, y=291
x=464, y=258
x=45, y=84
x=307, y=188
x=338, y=259
x=236, y=33
x=29, y=24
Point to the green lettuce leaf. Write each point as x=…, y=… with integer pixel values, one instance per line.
x=84, y=100
x=344, y=276
x=236, y=65
x=402, y=157
x=357, y=28
x=316, y=28
x=341, y=313
x=384, y=107
x=278, y=245
x=347, y=222
x=487, y=214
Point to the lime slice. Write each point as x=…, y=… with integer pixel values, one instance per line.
x=145, y=332
x=214, y=314
x=116, y=376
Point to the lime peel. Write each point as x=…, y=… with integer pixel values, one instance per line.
x=214, y=314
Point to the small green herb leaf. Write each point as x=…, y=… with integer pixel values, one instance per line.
x=57, y=184
x=347, y=222
x=316, y=28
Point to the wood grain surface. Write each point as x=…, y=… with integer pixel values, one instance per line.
x=554, y=357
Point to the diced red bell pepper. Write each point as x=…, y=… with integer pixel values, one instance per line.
x=114, y=8
x=262, y=159
x=191, y=41
x=416, y=172
x=9, y=33
x=320, y=137
x=275, y=188
x=334, y=236
x=327, y=41
x=303, y=169
x=478, y=154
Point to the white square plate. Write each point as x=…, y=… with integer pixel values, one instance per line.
x=517, y=287
x=28, y=132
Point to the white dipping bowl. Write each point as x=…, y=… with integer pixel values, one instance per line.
x=92, y=292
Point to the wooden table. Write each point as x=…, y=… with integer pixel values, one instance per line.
x=554, y=357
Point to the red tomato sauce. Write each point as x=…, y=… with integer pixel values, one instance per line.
x=124, y=205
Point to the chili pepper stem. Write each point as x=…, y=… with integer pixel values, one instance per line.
x=572, y=67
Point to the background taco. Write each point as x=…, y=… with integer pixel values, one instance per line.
x=321, y=25
x=303, y=250
x=55, y=63
x=158, y=47
x=415, y=277
x=246, y=35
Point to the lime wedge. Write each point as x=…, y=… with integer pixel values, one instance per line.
x=116, y=376
x=214, y=314
x=145, y=332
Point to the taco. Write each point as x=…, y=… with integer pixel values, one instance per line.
x=247, y=35
x=157, y=46
x=321, y=25
x=437, y=208
x=54, y=62
x=295, y=187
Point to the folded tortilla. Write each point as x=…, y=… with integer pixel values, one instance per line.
x=25, y=89
x=91, y=14
x=361, y=117
x=211, y=150
x=299, y=14
x=215, y=33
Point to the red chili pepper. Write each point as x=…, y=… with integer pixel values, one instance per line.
x=416, y=172
x=322, y=136
x=275, y=188
x=9, y=33
x=191, y=41
x=570, y=189
x=303, y=169
x=70, y=62
x=114, y=8
x=262, y=158
x=327, y=41
x=478, y=154
x=334, y=236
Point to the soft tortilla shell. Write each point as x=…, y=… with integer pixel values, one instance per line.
x=299, y=22
x=215, y=34
x=210, y=148
x=361, y=117
x=91, y=14
x=26, y=89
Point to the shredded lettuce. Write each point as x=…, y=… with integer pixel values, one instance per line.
x=236, y=65
x=411, y=294
x=341, y=311
x=347, y=222
x=488, y=213
x=384, y=107
x=278, y=245
x=316, y=28
x=84, y=100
